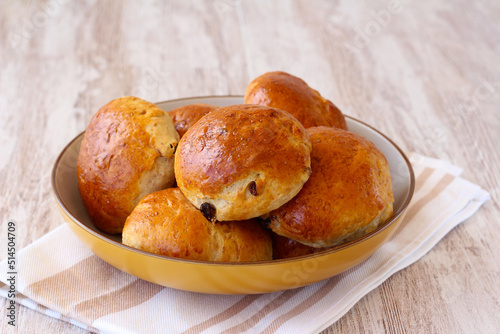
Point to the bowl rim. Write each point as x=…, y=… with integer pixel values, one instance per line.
x=105, y=237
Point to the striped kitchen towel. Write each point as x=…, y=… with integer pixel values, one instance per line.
x=58, y=276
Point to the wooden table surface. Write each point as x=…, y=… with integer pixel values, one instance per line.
x=426, y=73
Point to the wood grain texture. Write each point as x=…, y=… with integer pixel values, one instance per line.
x=426, y=73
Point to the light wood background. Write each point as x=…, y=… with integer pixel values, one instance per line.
x=426, y=73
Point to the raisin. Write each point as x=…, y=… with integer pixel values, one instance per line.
x=208, y=211
x=252, y=186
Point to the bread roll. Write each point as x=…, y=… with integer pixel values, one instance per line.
x=184, y=117
x=287, y=92
x=166, y=223
x=127, y=152
x=348, y=194
x=242, y=161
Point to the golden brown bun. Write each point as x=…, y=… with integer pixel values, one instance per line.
x=126, y=153
x=287, y=92
x=166, y=223
x=348, y=194
x=242, y=161
x=184, y=117
x=285, y=248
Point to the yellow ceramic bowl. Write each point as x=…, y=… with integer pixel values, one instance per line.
x=230, y=278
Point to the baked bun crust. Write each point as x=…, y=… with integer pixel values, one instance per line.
x=127, y=152
x=184, y=117
x=348, y=194
x=285, y=248
x=166, y=223
x=242, y=161
x=287, y=92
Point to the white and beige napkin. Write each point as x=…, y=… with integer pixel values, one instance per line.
x=58, y=276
